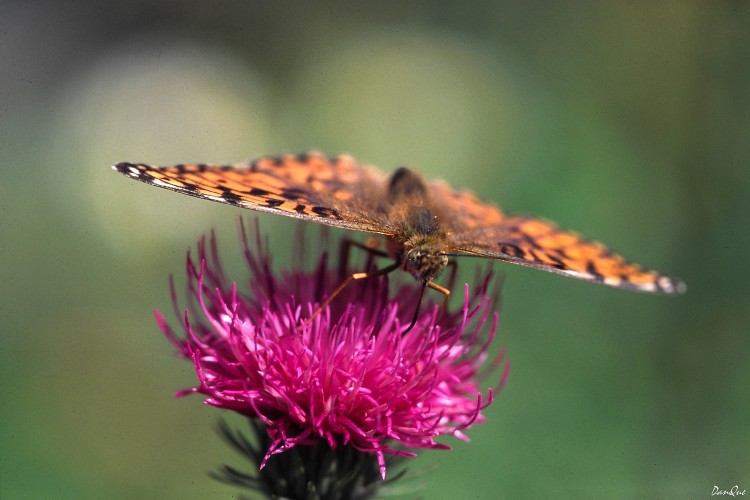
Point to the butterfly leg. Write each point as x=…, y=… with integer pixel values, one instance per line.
x=446, y=292
x=452, y=275
x=369, y=246
x=348, y=280
x=416, y=310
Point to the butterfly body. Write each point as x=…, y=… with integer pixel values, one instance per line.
x=424, y=221
x=420, y=241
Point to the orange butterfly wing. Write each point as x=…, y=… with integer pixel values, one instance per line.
x=483, y=229
x=336, y=191
x=342, y=193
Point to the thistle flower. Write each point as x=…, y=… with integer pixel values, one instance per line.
x=347, y=388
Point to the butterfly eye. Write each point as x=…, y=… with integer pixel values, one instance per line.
x=414, y=258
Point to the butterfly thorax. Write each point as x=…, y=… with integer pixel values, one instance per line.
x=420, y=240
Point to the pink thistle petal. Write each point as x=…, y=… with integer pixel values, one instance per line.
x=350, y=376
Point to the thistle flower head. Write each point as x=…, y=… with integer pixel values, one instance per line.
x=353, y=376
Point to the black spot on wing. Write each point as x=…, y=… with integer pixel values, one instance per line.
x=559, y=251
x=274, y=203
x=134, y=170
x=326, y=212
x=258, y=192
x=303, y=157
x=123, y=167
x=293, y=193
x=230, y=197
x=512, y=250
x=531, y=241
x=558, y=263
x=591, y=269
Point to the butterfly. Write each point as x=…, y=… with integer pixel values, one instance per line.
x=424, y=222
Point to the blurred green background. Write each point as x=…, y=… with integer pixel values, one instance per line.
x=628, y=122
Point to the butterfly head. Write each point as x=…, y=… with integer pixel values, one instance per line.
x=424, y=259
